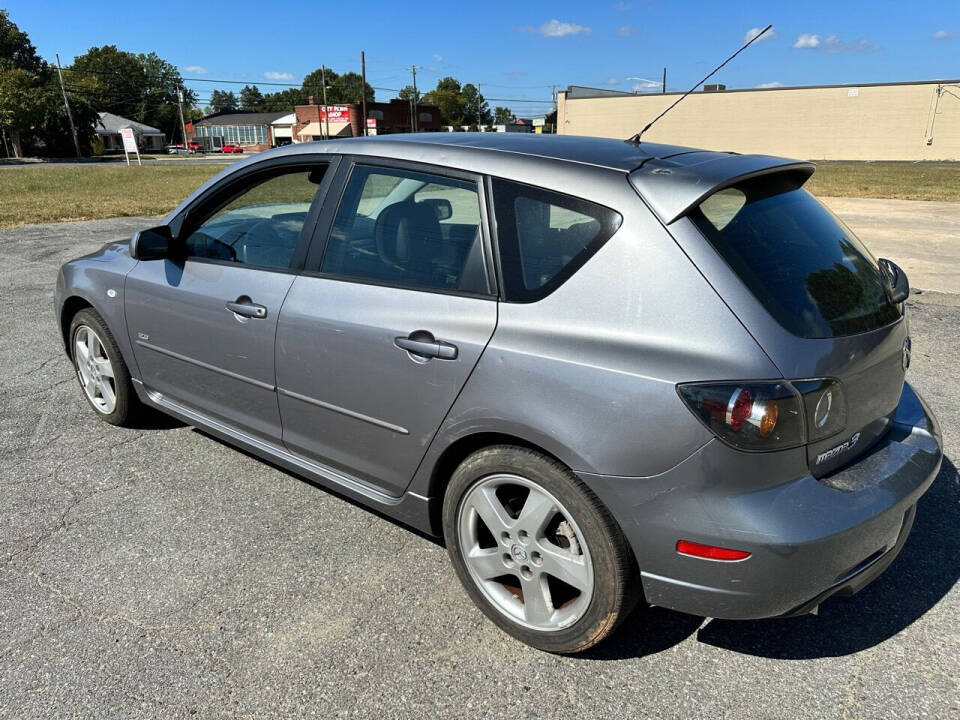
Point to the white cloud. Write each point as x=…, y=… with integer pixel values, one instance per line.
x=774, y=84
x=753, y=32
x=438, y=58
x=944, y=35
x=555, y=28
x=278, y=76
x=627, y=31
x=612, y=81
x=195, y=69
x=642, y=85
x=807, y=41
x=832, y=45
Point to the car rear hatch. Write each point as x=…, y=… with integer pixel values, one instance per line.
x=800, y=281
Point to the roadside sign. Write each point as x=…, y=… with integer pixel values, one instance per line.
x=130, y=144
x=335, y=113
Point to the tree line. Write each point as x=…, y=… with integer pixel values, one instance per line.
x=144, y=87
x=140, y=87
x=459, y=105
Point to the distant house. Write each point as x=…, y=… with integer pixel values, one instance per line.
x=109, y=126
x=252, y=130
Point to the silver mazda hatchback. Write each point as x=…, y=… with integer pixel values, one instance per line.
x=605, y=372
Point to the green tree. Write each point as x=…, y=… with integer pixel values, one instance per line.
x=313, y=83
x=16, y=47
x=251, y=98
x=503, y=116
x=142, y=87
x=223, y=101
x=19, y=108
x=408, y=93
x=284, y=100
x=346, y=89
x=476, y=111
x=459, y=105
x=32, y=113
x=448, y=96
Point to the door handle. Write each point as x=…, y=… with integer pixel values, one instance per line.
x=247, y=308
x=424, y=345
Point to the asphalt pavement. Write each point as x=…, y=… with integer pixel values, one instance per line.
x=156, y=572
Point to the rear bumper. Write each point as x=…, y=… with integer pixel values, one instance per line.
x=807, y=539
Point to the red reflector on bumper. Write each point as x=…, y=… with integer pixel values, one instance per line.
x=711, y=552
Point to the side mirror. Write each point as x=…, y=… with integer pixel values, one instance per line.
x=441, y=206
x=152, y=244
x=898, y=287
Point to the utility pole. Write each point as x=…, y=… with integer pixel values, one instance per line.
x=66, y=103
x=413, y=114
x=479, y=107
x=326, y=114
x=664, y=90
x=363, y=89
x=183, y=125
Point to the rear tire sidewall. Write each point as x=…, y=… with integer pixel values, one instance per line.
x=612, y=562
x=123, y=386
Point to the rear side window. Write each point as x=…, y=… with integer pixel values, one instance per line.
x=807, y=269
x=545, y=237
x=409, y=229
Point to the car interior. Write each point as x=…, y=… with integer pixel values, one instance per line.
x=411, y=238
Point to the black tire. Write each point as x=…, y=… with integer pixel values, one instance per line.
x=615, y=578
x=128, y=406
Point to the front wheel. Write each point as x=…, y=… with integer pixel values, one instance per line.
x=536, y=550
x=100, y=368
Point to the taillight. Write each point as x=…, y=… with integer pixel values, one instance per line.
x=768, y=415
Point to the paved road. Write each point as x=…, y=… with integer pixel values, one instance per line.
x=157, y=572
x=211, y=159
x=922, y=237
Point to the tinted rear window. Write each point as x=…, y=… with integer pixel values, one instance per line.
x=807, y=268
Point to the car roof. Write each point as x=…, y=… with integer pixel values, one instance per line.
x=601, y=152
x=670, y=178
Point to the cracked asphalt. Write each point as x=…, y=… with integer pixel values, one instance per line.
x=156, y=572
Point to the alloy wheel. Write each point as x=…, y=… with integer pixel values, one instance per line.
x=525, y=552
x=94, y=370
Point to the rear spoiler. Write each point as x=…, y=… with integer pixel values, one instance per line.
x=673, y=186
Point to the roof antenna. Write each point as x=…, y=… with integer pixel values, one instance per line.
x=636, y=138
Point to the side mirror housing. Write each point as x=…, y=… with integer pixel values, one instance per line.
x=898, y=286
x=152, y=244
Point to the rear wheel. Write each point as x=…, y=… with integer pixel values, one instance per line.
x=100, y=368
x=536, y=550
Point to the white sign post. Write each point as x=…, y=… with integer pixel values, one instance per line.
x=129, y=144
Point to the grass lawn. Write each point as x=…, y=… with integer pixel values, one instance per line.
x=906, y=181
x=87, y=192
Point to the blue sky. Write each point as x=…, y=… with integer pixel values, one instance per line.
x=516, y=50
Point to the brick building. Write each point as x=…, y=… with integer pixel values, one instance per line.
x=315, y=122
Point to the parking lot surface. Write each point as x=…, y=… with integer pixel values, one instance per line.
x=158, y=572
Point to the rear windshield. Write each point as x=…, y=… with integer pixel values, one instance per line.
x=807, y=269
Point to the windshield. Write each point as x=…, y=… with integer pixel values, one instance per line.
x=807, y=268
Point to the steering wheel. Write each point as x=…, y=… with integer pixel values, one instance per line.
x=261, y=239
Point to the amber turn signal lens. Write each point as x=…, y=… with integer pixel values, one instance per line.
x=769, y=420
